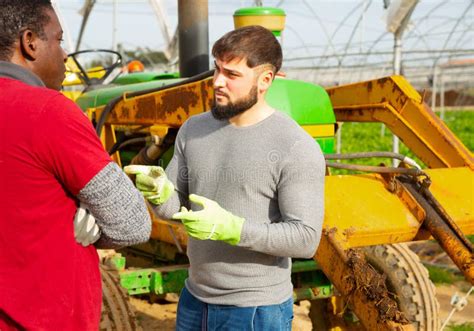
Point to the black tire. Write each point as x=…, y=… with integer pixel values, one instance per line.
x=117, y=312
x=408, y=279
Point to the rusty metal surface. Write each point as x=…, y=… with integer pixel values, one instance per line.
x=454, y=190
x=458, y=249
x=170, y=107
x=155, y=112
x=335, y=263
x=393, y=101
x=394, y=186
x=109, y=139
x=446, y=218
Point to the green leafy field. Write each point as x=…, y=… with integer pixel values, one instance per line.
x=461, y=327
x=368, y=137
x=439, y=275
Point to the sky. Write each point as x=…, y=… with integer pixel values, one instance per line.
x=319, y=30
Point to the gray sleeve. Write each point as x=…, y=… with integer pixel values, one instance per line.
x=118, y=207
x=301, y=204
x=177, y=173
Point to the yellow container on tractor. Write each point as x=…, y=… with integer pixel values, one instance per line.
x=271, y=18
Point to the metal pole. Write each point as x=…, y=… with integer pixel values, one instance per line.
x=160, y=12
x=85, y=12
x=339, y=139
x=339, y=71
x=397, y=63
x=441, y=94
x=434, y=88
x=114, y=26
x=193, y=30
x=397, y=54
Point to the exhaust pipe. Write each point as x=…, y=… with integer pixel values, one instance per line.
x=193, y=31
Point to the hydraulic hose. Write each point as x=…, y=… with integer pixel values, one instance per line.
x=120, y=144
x=366, y=168
x=366, y=155
x=416, y=171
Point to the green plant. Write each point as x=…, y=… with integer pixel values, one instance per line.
x=470, y=238
x=461, y=327
x=440, y=275
x=460, y=122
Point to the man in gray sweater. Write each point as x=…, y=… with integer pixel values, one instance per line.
x=253, y=181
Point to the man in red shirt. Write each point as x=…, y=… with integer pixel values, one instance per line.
x=50, y=160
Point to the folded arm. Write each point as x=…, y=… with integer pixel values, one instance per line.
x=119, y=209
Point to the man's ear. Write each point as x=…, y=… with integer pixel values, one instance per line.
x=265, y=80
x=28, y=44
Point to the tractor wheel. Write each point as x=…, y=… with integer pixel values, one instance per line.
x=117, y=312
x=408, y=279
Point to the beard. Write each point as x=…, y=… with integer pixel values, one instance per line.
x=235, y=108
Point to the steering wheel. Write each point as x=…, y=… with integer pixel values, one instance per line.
x=101, y=72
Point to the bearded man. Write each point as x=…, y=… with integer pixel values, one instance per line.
x=257, y=180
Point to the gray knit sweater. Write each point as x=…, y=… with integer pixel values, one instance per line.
x=271, y=174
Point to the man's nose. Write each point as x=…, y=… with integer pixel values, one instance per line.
x=64, y=55
x=219, y=80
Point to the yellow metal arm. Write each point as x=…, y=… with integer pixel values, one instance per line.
x=394, y=102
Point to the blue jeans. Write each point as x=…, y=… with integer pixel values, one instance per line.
x=195, y=315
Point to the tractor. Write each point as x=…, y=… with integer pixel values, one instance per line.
x=363, y=276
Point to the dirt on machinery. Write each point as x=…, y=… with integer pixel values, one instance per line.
x=366, y=279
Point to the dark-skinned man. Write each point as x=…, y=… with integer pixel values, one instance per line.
x=51, y=161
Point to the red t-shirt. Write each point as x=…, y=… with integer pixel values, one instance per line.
x=48, y=153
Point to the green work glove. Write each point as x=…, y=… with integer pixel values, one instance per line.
x=152, y=182
x=212, y=222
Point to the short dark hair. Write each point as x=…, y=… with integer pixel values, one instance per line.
x=18, y=15
x=254, y=43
